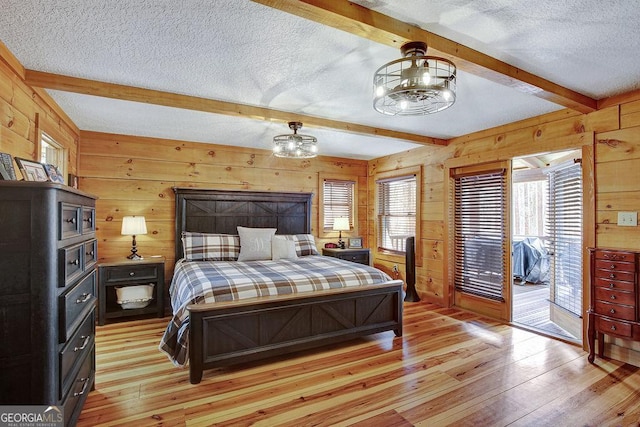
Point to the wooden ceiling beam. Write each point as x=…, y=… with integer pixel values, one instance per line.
x=149, y=96
x=372, y=25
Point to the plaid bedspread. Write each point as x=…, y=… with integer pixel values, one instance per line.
x=211, y=281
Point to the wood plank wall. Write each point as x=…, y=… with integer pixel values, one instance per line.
x=135, y=176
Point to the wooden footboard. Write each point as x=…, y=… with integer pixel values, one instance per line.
x=241, y=331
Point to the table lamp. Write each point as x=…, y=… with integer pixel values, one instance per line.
x=133, y=226
x=341, y=224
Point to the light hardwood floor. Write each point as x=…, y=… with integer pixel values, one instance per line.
x=449, y=368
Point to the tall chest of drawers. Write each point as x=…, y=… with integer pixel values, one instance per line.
x=48, y=254
x=615, y=298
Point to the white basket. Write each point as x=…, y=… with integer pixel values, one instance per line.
x=130, y=297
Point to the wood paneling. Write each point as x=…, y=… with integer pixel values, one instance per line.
x=449, y=368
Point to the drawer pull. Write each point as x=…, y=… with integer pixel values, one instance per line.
x=83, y=298
x=613, y=327
x=84, y=387
x=89, y=220
x=72, y=220
x=84, y=343
x=612, y=266
x=611, y=285
x=612, y=276
x=132, y=273
x=612, y=311
x=613, y=297
x=75, y=262
x=90, y=253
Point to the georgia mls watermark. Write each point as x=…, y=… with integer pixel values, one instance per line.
x=31, y=416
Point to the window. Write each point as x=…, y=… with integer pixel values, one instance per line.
x=479, y=233
x=529, y=208
x=51, y=152
x=337, y=201
x=397, y=212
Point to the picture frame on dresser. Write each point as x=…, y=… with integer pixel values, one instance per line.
x=54, y=173
x=355, y=242
x=32, y=170
x=7, y=171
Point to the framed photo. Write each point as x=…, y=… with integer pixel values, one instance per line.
x=355, y=242
x=54, y=174
x=7, y=172
x=73, y=180
x=31, y=170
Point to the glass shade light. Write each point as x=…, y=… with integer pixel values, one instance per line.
x=133, y=226
x=414, y=85
x=295, y=145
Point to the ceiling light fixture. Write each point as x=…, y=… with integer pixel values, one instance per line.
x=294, y=145
x=416, y=84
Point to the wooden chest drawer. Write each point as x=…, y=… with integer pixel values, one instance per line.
x=361, y=258
x=142, y=272
x=614, y=296
x=615, y=255
x=80, y=387
x=613, y=327
x=71, y=264
x=80, y=344
x=90, y=254
x=70, y=224
x=88, y=219
x=614, y=284
x=627, y=276
x=73, y=304
x=615, y=265
x=624, y=312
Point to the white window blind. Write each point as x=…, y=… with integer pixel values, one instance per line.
x=338, y=201
x=480, y=234
x=397, y=209
x=565, y=236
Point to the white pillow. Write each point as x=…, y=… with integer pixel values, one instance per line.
x=255, y=243
x=282, y=248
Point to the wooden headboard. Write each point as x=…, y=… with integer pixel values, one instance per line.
x=221, y=211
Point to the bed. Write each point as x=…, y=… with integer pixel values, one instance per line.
x=230, y=331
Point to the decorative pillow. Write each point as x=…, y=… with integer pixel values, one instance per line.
x=210, y=247
x=282, y=248
x=255, y=243
x=305, y=243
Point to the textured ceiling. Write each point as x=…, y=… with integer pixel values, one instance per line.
x=248, y=53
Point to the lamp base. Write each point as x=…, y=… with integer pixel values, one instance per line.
x=134, y=256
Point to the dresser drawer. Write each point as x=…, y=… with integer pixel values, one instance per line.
x=78, y=300
x=90, y=254
x=613, y=327
x=70, y=224
x=614, y=284
x=130, y=272
x=624, y=312
x=80, y=344
x=361, y=258
x=615, y=265
x=88, y=219
x=627, y=276
x=615, y=255
x=614, y=296
x=71, y=264
x=80, y=387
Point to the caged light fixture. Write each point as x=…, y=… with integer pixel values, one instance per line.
x=295, y=145
x=416, y=84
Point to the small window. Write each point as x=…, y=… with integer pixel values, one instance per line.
x=338, y=197
x=397, y=207
x=51, y=152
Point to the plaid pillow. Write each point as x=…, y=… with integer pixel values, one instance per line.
x=305, y=243
x=210, y=247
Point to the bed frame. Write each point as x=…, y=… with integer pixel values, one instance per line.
x=241, y=331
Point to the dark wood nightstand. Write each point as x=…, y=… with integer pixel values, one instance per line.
x=125, y=272
x=361, y=256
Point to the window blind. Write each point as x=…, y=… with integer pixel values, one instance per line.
x=565, y=236
x=480, y=234
x=396, y=212
x=338, y=201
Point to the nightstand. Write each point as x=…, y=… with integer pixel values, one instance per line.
x=361, y=256
x=124, y=272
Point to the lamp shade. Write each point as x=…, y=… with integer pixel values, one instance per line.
x=133, y=226
x=341, y=224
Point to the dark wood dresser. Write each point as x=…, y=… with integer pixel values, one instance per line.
x=48, y=254
x=615, y=299
x=361, y=255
